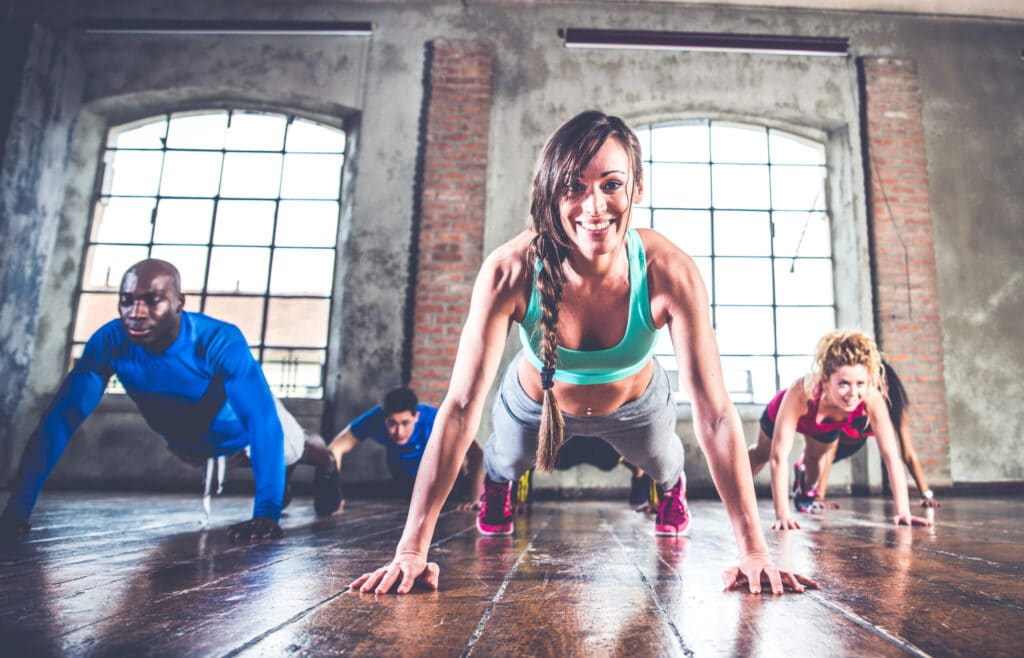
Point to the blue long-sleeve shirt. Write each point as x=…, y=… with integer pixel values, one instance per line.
x=205, y=394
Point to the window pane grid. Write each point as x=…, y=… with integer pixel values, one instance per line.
x=234, y=262
x=784, y=288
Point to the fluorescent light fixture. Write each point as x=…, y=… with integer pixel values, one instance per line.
x=286, y=28
x=709, y=41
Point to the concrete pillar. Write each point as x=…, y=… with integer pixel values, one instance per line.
x=42, y=84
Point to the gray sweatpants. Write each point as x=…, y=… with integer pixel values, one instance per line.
x=643, y=430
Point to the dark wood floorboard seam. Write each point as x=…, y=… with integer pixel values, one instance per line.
x=969, y=558
x=486, y=617
x=867, y=625
x=291, y=620
x=160, y=526
x=450, y=537
x=650, y=591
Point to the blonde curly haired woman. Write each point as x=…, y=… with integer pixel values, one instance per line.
x=837, y=405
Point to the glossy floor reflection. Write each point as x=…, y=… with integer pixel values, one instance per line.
x=135, y=575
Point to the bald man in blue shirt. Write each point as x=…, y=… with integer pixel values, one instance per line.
x=195, y=382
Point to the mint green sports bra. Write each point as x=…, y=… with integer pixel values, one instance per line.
x=600, y=366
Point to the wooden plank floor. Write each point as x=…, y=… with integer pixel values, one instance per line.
x=114, y=575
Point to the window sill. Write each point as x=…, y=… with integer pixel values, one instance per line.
x=749, y=411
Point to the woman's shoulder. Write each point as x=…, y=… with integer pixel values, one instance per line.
x=797, y=391
x=660, y=251
x=514, y=255
x=510, y=265
x=669, y=269
x=651, y=239
x=874, y=399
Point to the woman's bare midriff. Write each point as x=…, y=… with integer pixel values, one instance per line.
x=588, y=400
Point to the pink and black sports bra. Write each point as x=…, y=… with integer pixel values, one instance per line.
x=853, y=427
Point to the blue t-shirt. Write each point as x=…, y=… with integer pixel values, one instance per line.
x=205, y=394
x=401, y=458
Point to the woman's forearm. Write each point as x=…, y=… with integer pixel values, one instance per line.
x=727, y=458
x=914, y=466
x=780, y=486
x=898, y=484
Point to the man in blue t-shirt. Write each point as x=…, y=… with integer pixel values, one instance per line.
x=195, y=382
x=403, y=426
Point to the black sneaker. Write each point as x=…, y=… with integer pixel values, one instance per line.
x=327, y=494
x=639, y=490
x=799, y=478
x=286, y=499
x=803, y=498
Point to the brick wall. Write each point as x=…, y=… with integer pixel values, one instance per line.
x=451, y=207
x=903, y=259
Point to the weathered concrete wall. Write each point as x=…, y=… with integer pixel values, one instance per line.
x=971, y=81
x=39, y=110
x=975, y=141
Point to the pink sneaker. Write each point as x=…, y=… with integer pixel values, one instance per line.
x=495, y=517
x=673, y=515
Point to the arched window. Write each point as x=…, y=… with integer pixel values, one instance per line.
x=748, y=204
x=246, y=205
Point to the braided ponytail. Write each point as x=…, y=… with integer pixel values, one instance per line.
x=550, y=281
